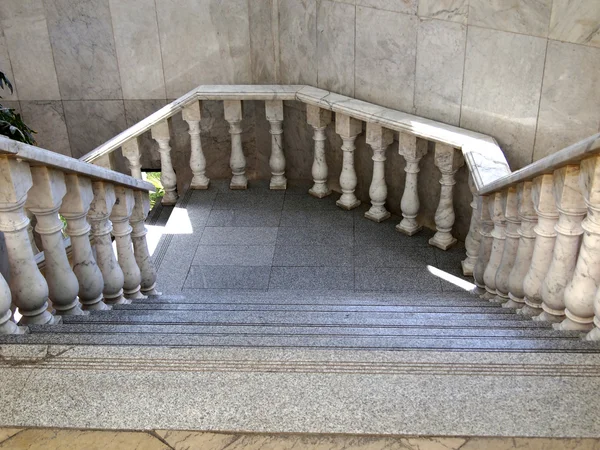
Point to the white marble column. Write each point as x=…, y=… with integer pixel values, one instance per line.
x=98, y=215
x=528, y=218
x=319, y=119
x=486, y=225
x=44, y=200
x=119, y=216
x=379, y=139
x=32, y=220
x=511, y=244
x=448, y=161
x=131, y=151
x=571, y=211
x=161, y=134
x=499, y=236
x=7, y=325
x=274, y=113
x=28, y=287
x=473, y=239
x=412, y=149
x=545, y=237
x=237, y=161
x=348, y=128
x=192, y=115
x=140, y=246
x=74, y=208
x=581, y=289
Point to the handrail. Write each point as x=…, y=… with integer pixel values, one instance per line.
x=67, y=164
x=484, y=157
x=572, y=154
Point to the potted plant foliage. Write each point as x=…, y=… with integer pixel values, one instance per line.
x=11, y=124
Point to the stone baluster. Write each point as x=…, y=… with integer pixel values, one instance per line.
x=348, y=128
x=379, y=139
x=319, y=119
x=161, y=134
x=594, y=335
x=473, y=240
x=121, y=212
x=98, y=215
x=486, y=226
x=44, y=201
x=140, y=246
x=131, y=151
x=192, y=115
x=31, y=217
x=499, y=237
x=74, y=208
x=28, y=287
x=412, y=149
x=545, y=237
x=274, y=113
x=528, y=218
x=511, y=244
x=571, y=211
x=448, y=161
x=7, y=325
x=237, y=162
x=580, y=291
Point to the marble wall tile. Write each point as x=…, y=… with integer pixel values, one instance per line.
x=501, y=89
x=440, y=66
x=28, y=44
x=298, y=41
x=6, y=68
x=570, y=104
x=335, y=44
x=530, y=17
x=84, y=49
x=92, y=122
x=138, y=48
x=403, y=6
x=136, y=110
x=452, y=10
x=264, y=41
x=47, y=118
x=576, y=21
x=385, y=58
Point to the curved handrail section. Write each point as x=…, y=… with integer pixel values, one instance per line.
x=482, y=153
x=40, y=156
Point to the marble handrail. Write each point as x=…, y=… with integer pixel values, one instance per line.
x=482, y=154
x=572, y=154
x=39, y=156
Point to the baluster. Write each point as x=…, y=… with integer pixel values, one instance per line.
x=28, y=286
x=237, y=162
x=119, y=216
x=448, y=161
x=44, y=201
x=348, y=128
x=528, y=218
x=274, y=113
x=140, y=246
x=74, y=209
x=511, y=244
x=192, y=115
x=160, y=133
x=580, y=291
x=31, y=217
x=98, y=215
x=131, y=151
x=7, y=325
x=594, y=335
x=499, y=236
x=485, y=248
x=545, y=237
x=379, y=139
x=571, y=211
x=473, y=240
x=412, y=149
x=319, y=119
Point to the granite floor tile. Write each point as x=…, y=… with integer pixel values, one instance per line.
x=395, y=279
x=248, y=201
x=385, y=233
x=315, y=235
x=313, y=255
x=228, y=277
x=452, y=278
x=304, y=202
x=239, y=236
x=393, y=256
x=332, y=219
x=243, y=218
x=310, y=278
x=234, y=255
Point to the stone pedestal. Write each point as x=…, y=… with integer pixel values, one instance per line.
x=162, y=135
x=412, y=149
x=192, y=115
x=379, y=139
